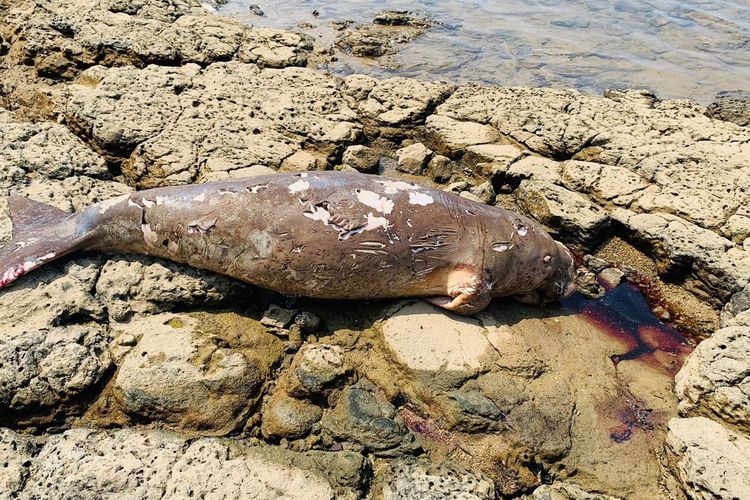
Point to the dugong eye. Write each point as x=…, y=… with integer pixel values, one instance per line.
x=502, y=246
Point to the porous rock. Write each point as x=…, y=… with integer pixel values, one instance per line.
x=365, y=417
x=709, y=460
x=16, y=455
x=315, y=368
x=362, y=158
x=408, y=478
x=731, y=106
x=714, y=380
x=182, y=374
x=48, y=367
x=168, y=117
x=144, y=285
x=413, y=159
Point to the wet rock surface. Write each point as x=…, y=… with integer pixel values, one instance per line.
x=215, y=387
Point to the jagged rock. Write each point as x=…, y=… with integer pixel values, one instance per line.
x=362, y=158
x=277, y=317
x=484, y=192
x=303, y=161
x=49, y=367
x=573, y=216
x=440, y=168
x=731, y=107
x=315, y=368
x=714, y=380
x=709, y=461
x=408, y=478
x=16, y=455
x=611, y=277
x=182, y=373
x=286, y=417
x=424, y=340
x=53, y=295
x=737, y=310
x=566, y=491
x=43, y=149
x=154, y=464
x=60, y=37
x=413, y=159
x=719, y=268
x=143, y=285
x=365, y=417
x=455, y=136
x=588, y=285
x=395, y=101
x=698, y=171
x=388, y=31
x=169, y=117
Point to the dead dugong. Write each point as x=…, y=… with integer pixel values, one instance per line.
x=316, y=234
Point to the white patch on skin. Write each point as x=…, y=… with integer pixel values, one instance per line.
x=200, y=197
x=374, y=200
x=107, y=204
x=255, y=189
x=408, y=222
x=49, y=256
x=149, y=236
x=393, y=187
x=173, y=246
x=318, y=213
x=376, y=222
x=147, y=203
x=521, y=229
x=502, y=246
x=547, y=258
x=131, y=203
x=299, y=186
x=161, y=200
x=417, y=198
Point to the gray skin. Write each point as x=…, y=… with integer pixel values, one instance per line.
x=332, y=235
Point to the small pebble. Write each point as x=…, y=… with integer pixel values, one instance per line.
x=611, y=277
x=255, y=9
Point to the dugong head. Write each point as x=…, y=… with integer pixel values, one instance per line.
x=559, y=284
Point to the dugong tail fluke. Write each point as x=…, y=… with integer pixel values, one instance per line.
x=41, y=233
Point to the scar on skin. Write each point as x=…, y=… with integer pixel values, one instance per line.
x=417, y=198
x=298, y=186
x=502, y=246
x=149, y=235
x=374, y=200
x=255, y=189
x=521, y=229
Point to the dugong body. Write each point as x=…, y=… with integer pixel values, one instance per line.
x=316, y=234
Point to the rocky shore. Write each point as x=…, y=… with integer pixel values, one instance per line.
x=131, y=376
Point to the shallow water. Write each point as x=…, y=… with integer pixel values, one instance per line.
x=679, y=49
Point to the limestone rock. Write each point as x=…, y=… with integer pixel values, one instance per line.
x=362, y=158
x=566, y=491
x=16, y=455
x=315, y=368
x=44, y=149
x=456, y=136
x=408, y=478
x=440, y=168
x=698, y=171
x=365, y=417
x=710, y=461
x=168, y=117
x=572, y=215
x=535, y=168
x=303, y=161
x=48, y=367
x=53, y=295
x=182, y=375
x=59, y=37
x=731, y=107
x=144, y=285
x=423, y=338
x=290, y=418
x=714, y=380
x=413, y=159
x=396, y=101
x=84, y=463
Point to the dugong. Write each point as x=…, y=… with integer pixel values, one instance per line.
x=316, y=234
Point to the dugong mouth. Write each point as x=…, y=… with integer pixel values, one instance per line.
x=563, y=280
